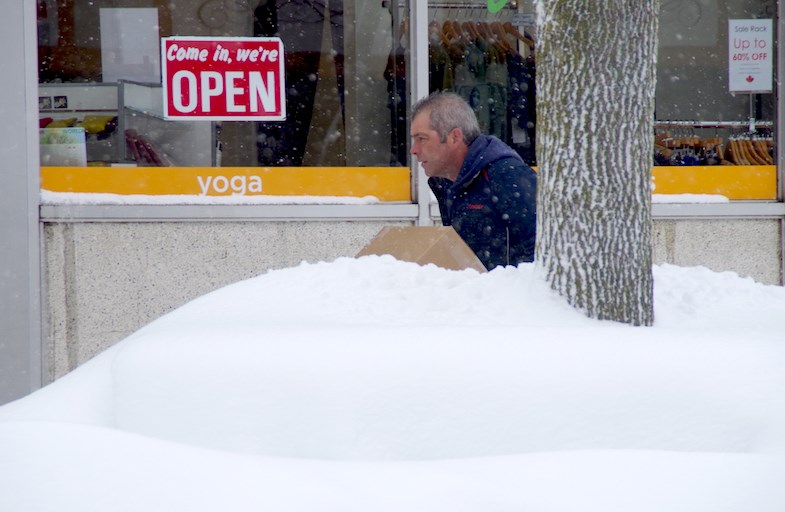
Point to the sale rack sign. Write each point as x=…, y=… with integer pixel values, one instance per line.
x=223, y=78
x=750, y=55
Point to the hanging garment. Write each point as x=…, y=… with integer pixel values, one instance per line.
x=498, y=82
x=522, y=106
x=395, y=75
x=438, y=67
x=469, y=70
x=299, y=24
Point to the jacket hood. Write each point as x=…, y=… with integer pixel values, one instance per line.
x=484, y=151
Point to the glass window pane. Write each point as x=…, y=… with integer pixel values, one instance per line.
x=700, y=120
x=488, y=58
x=344, y=74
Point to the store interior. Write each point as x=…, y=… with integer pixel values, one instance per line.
x=347, y=80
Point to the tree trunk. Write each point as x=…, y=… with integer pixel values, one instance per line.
x=595, y=114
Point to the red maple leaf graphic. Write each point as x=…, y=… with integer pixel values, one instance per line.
x=749, y=78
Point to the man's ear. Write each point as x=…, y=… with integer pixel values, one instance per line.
x=456, y=135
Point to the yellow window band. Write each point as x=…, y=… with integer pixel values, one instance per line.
x=742, y=182
x=384, y=183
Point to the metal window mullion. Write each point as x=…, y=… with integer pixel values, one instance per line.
x=780, y=123
x=780, y=147
x=418, y=88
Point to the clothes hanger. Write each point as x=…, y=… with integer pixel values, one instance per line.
x=485, y=31
x=748, y=152
x=470, y=29
x=448, y=33
x=510, y=29
x=758, y=152
x=501, y=36
x=763, y=145
x=463, y=36
x=734, y=151
x=752, y=155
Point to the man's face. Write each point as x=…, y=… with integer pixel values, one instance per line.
x=442, y=159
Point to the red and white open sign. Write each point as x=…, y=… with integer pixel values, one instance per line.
x=223, y=78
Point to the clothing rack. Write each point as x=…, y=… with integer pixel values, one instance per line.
x=462, y=4
x=751, y=124
x=469, y=10
x=468, y=5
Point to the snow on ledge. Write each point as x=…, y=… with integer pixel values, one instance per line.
x=83, y=198
x=688, y=198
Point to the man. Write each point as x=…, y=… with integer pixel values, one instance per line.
x=484, y=189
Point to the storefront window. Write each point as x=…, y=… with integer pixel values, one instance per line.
x=715, y=101
x=487, y=56
x=344, y=67
x=346, y=93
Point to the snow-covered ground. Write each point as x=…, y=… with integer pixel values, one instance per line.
x=376, y=385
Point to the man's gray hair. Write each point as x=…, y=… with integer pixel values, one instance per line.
x=448, y=111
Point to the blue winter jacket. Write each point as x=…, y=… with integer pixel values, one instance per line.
x=492, y=203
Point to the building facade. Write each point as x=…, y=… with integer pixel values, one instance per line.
x=142, y=212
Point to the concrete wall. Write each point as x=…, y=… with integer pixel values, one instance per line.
x=105, y=280
x=749, y=247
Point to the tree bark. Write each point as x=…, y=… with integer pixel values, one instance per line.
x=595, y=112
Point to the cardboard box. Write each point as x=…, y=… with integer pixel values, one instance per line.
x=439, y=245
